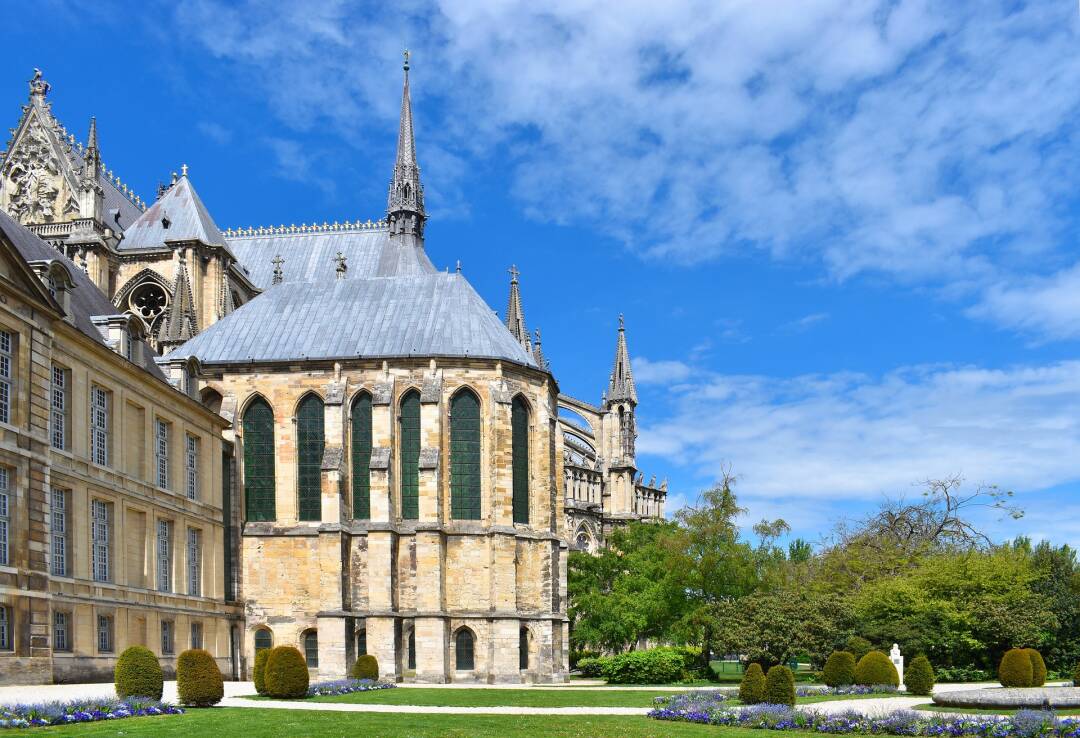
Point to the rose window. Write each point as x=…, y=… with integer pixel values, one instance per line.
x=148, y=301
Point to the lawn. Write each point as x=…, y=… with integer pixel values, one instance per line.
x=560, y=697
x=255, y=723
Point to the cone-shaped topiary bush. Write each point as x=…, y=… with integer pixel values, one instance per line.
x=1015, y=668
x=875, y=668
x=198, y=679
x=259, y=673
x=138, y=674
x=919, y=676
x=752, y=686
x=366, y=667
x=286, y=674
x=858, y=647
x=839, y=669
x=780, y=686
x=1038, y=667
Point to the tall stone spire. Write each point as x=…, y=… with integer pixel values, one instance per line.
x=515, y=314
x=92, y=155
x=180, y=322
x=405, y=201
x=621, y=386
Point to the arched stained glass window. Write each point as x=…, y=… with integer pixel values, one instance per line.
x=263, y=640
x=463, y=650
x=519, y=424
x=309, y=443
x=410, y=455
x=465, y=456
x=259, y=486
x=361, y=456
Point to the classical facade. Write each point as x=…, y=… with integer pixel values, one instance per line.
x=114, y=485
x=412, y=478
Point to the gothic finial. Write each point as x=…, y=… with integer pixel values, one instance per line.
x=183, y=170
x=91, y=156
x=406, y=55
x=622, y=323
x=621, y=383
x=341, y=266
x=538, y=352
x=38, y=86
x=515, y=313
x=459, y=266
x=514, y=274
x=277, y=261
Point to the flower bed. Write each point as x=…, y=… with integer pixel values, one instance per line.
x=855, y=689
x=81, y=711
x=346, y=686
x=1012, y=697
x=1024, y=724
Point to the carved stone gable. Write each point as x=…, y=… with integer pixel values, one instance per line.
x=34, y=178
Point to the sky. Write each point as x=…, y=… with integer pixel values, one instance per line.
x=843, y=233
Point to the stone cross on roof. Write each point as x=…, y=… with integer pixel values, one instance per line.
x=277, y=261
x=341, y=266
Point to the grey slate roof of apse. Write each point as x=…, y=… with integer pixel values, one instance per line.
x=369, y=252
x=420, y=315
x=188, y=218
x=86, y=299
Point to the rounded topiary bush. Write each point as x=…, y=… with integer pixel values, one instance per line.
x=780, y=686
x=839, y=669
x=1015, y=668
x=919, y=676
x=138, y=674
x=366, y=667
x=198, y=679
x=1038, y=667
x=875, y=668
x=752, y=686
x=286, y=674
x=259, y=672
x=858, y=647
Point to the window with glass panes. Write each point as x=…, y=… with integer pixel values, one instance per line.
x=194, y=562
x=361, y=456
x=519, y=426
x=105, y=633
x=191, y=467
x=259, y=488
x=99, y=426
x=5, y=628
x=99, y=536
x=465, y=456
x=196, y=635
x=410, y=455
x=58, y=408
x=263, y=640
x=310, y=442
x=463, y=647
x=5, y=517
x=311, y=649
x=61, y=631
x=164, y=555
x=161, y=453
x=167, y=637
x=6, y=359
x=60, y=542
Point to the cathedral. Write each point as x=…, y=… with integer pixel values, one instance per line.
x=399, y=472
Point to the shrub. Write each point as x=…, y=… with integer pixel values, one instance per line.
x=858, y=647
x=198, y=679
x=138, y=674
x=1038, y=667
x=286, y=674
x=962, y=674
x=875, y=668
x=752, y=686
x=1015, y=668
x=919, y=676
x=1076, y=676
x=591, y=667
x=259, y=672
x=655, y=666
x=578, y=655
x=839, y=669
x=366, y=667
x=780, y=686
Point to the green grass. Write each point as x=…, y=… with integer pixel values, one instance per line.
x=255, y=723
x=929, y=707
x=562, y=697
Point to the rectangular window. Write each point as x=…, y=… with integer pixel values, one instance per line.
x=129, y=345
x=60, y=547
x=5, y=517
x=6, y=343
x=194, y=562
x=58, y=414
x=191, y=467
x=99, y=533
x=99, y=426
x=61, y=632
x=164, y=555
x=162, y=453
x=196, y=635
x=5, y=628
x=166, y=636
x=105, y=634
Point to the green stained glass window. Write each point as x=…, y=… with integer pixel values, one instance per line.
x=519, y=422
x=259, y=461
x=361, y=456
x=410, y=456
x=309, y=444
x=465, y=456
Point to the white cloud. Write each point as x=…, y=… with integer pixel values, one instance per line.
x=647, y=371
x=806, y=321
x=1047, y=306
x=216, y=132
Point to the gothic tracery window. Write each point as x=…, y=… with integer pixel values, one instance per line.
x=361, y=456
x=149, y=301
x=465, y=456
x=410, y=455
x=259, y=487
x=519, y=422
x=310, y=442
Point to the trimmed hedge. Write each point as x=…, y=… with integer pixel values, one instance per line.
x=198, y=679
x=1038, y=667
x=366, y=667
x=654, y=666
x=780, y=686
x=752, y=686
x=876, y=668
x=286, y=673
x=1076, y=676
x=591, y=667
x=259, y=675
x=858, y=647
x=839, y=669
x=138, y=674
x=1015, y=668
x=919, y=676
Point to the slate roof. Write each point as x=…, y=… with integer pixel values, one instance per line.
x=436, y=315
x=85, y=299
x=187, y=217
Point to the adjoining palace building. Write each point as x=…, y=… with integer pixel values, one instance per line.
x=408, y=478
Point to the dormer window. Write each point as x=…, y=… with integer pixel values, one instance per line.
x=165, y=222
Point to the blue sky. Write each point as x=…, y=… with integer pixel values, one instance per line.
x=843, y=232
